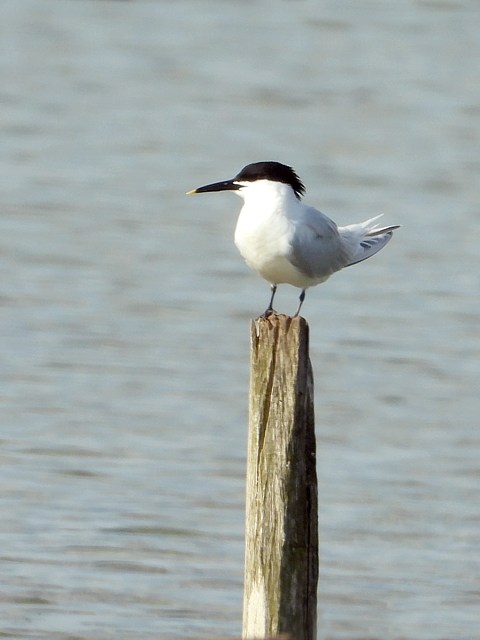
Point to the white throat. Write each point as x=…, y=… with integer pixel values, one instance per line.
x=266, y=194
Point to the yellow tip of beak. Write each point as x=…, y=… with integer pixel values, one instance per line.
x=190, y=193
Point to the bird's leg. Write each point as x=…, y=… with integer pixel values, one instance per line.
x=269, y=310
x=301, y=298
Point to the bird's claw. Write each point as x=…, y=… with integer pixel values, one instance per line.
x=268, y=312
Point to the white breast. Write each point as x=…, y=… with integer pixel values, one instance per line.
x=263, y=236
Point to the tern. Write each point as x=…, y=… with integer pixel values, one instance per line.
x=288, y=242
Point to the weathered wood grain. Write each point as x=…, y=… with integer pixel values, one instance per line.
x=281, y=538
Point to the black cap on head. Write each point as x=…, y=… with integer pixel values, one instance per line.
x=274, y=171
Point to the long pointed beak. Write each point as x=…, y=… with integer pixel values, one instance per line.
x=226, y=185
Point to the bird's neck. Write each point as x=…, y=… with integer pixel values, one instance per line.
x=269, y=197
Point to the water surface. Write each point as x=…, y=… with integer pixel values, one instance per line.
x=125, y=308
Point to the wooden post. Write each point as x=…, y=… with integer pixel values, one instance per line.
x=281, y=537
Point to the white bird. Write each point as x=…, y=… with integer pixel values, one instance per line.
x=288, y=242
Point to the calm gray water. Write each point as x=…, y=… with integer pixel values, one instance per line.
x=125, y=308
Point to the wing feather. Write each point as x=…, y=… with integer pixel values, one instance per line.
x=317, y=249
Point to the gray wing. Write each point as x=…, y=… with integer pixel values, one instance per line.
x=317, y=249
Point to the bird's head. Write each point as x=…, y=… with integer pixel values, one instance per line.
x=254, y=173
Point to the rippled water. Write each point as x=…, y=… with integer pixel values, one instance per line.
x=125, y=307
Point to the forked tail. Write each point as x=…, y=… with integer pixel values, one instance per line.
x=365, y=239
